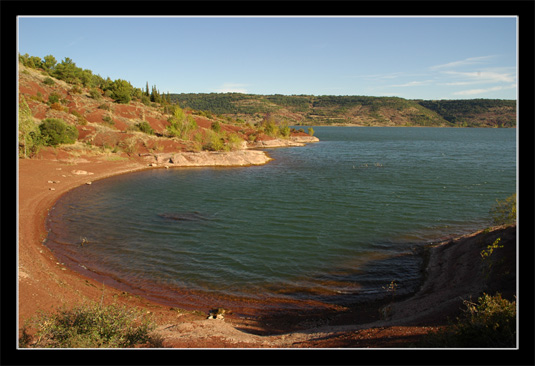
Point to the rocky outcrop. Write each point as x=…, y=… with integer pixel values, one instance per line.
x=293, y=141
x=209, y=158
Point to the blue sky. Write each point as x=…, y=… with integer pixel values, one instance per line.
x=408, y=57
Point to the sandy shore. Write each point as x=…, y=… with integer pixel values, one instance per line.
x=46, y=284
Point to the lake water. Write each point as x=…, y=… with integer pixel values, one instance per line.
x=330, y=223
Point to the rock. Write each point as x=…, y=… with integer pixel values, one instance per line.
x=81, y=172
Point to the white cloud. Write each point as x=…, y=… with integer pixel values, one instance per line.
x=484, y=91
x=465, y=62
x=483, y=76
x=414, y=83
x=232, y=88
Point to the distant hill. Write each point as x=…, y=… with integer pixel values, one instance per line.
x=354, y=110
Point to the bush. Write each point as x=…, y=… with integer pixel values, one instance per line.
x=180, y=124
x=91, y=326
x=214, y=141
x=95, y=94
x=145, y=127
x=491, y=323
x=284, y=130
x=53, y=98
x=234, y=142
x=55, y=131
x=504, y=212
x=30, y=139
x=81, y=119
x=108, y=119
x=216, y=126
x=48, y=81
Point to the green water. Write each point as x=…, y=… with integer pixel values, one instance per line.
x=332, y=222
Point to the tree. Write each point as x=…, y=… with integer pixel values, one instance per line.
x=66, y=71
x=49, y=63
x=122, y=91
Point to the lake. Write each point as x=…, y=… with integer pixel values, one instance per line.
x=330, y=223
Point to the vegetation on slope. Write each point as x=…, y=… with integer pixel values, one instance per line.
x=355, y=110
x=63, y=104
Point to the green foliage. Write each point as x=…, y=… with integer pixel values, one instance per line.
x=464, y=112
x=284, y=130
x=216, y=126
x=55, y=131
x=311, y=131
x=108, y=119
x=81, y=119
x=91, y=326
x=48, y=81
x=234, y=142
x=30, y=138
x=181, y=125
x=49, y=62
x=504, y=212
x=54, y=98
x=95, y=94
x=213, y=141
x=121, y=91
x=145, y=127
x=491, y=323
x=66, y=71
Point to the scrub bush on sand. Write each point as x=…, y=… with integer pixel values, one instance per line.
x=491, y=323
x=90, y=326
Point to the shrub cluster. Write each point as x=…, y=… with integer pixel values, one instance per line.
x=490, y=323
x=90, y=326
x=55, y=131
x=504, y=212
x=145, y=127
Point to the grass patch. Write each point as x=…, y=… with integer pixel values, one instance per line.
x=90, y=326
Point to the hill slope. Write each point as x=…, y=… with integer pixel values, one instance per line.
x=105, y=126
x=355, y=110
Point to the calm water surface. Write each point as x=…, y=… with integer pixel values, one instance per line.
x=332, y=222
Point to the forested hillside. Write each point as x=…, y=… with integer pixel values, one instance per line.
x=354, y=110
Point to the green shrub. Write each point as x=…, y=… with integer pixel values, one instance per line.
x=234, y=142
x=122, y=91
x=55, y=131
x=48, y=81
x=53, y=98
x=214, y=141
x=91, y=326
x=504, y=212
x=145, y=127
x=491, y=323
x=95, y=94
x=30, y=139
x=105, y=107
x=108, y=119
x=311, y=131
x=180, y=124
x=284, y=130
x=216, y=126
x=81, y=119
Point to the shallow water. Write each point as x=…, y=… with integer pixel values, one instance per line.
x=332, y=222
